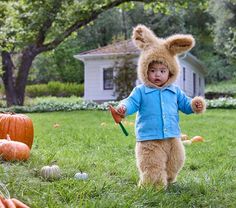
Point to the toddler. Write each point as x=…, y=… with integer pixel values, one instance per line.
x=159, y=152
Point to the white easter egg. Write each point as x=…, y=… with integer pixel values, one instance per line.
x=81, y=176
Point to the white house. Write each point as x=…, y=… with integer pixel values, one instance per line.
x=99, y=72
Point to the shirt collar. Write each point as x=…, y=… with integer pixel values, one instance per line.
x=172, y=88
x=151, y=89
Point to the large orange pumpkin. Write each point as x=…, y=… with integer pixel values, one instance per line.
x=18, y=126
x=12, y=150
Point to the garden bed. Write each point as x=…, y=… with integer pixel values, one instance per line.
x=51, y=104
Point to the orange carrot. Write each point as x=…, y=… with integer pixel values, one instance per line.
x=19, y=204
x=116, y=116
x=2, y=204
x=9, y=203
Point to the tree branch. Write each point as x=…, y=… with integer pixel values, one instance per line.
x=53, y=44
x=48, y=23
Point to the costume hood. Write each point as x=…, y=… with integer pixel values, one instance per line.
x=158, y=49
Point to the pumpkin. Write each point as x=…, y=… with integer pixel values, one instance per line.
x=184, y=137
x=81, y=176
x=13, y=150
x=50, y=173
x=197, y=139
x=187, y=142
x=19, y=126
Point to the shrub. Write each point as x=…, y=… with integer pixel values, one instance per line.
x=55, y=89
x=229, y=103
x=125, y=77
x=73, y=89
x=50, y=104
x=37, y=90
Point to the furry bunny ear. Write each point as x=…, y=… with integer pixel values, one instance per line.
x=178, y=44
x=143, y=37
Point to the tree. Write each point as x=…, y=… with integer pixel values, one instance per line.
x=104, y=28
x=125, y=77
x=224, y=28
x=163, y=21
x=29, y=28
x=58, y=64
x=114, y=25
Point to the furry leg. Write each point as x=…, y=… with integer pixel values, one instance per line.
x=151, y=162
x=175, y=160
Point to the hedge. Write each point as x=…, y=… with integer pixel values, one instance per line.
x=80, y=104
x=57, y=89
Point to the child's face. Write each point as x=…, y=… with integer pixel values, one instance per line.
x=158, y=74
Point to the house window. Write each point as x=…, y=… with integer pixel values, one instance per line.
x=194, y=84
x=184, y=77
x=184, y=73
x=200, y=86
x=108, y=79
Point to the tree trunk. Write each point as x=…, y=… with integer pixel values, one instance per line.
x=15, y=87
x=7, y=77
x=21, y=80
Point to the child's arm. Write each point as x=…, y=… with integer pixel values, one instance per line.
x=188, y=105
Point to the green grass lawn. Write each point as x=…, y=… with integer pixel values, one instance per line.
x=89, y=141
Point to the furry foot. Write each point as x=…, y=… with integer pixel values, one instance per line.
x=172, y=180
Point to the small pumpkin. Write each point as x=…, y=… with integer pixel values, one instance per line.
x=81, y=176
x=13, y=150
x=187, y=142
x=50, y=172
x=19, y=126
x=184, y=137
x=197, y=139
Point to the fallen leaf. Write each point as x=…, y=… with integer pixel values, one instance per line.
x=56, y=125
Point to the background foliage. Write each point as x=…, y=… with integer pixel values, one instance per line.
x=125, y=77
x=214, y=33
x=58, y=65
x=22, y=20
x=55, y=88
x=52, y=104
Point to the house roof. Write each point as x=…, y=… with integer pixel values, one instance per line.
x=121, y=47
x=126, y=47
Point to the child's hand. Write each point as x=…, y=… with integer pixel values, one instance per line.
x=198, y=105
x=121, y=109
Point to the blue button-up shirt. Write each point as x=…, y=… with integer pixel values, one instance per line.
x=157, y=111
